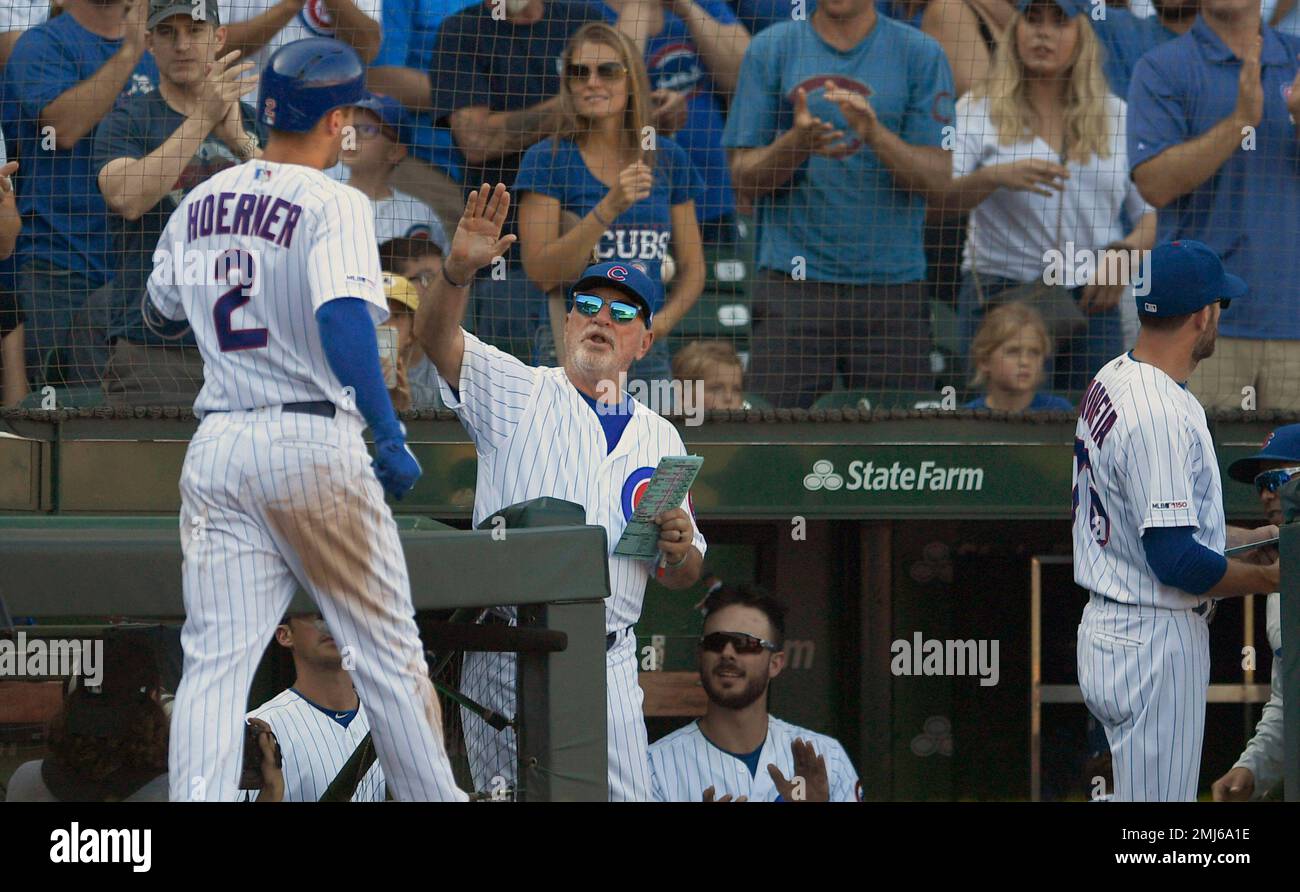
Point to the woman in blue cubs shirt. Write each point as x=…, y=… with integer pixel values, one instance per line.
x=632, y=191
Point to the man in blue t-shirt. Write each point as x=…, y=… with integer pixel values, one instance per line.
x=63, y=77
x=1212, y=144
x=148, y=154
x=695, y=48
x=837, y=127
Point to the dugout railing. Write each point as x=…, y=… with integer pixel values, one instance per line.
x=75, y=566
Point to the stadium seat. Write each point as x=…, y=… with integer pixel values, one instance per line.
x=863, y=401
x=66, y=398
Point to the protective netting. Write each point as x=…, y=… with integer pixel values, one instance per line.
x=912, y=205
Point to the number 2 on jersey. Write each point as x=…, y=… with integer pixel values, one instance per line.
x=1098, y=519
x=240, y=263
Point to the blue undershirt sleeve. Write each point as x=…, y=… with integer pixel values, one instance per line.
x=1182, y=562
x=347, y=334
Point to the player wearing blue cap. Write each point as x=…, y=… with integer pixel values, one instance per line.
x=1259, y=769
x=1149, y=532
x=568, y=433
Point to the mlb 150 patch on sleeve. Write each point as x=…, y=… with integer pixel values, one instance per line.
x=1169, y=506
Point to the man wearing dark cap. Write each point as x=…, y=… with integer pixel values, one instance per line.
x=1149, y=533
x=148, y=154
x=569, y=433
x=1259, y=770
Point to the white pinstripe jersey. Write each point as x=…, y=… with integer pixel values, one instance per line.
x=536, y=436
x=1143, y=458
x=315, y=747
x=248, y=258
x=685, y=763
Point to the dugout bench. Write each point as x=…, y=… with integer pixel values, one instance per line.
x=69, y=566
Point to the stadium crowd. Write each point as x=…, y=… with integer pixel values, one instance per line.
x=831, y=197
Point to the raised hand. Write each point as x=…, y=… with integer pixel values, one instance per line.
x=808, y=767
x=478, y=239
x=222, y=87
x=855, y=108
x=634, y=184
x=1250, y=90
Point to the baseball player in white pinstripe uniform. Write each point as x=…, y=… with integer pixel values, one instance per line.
x=1259, y=770
x=277, y=489
x=1149, y=533
x=568, y=433
x=737, y=750
x=318, y=721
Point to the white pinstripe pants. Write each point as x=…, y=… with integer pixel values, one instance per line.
x=1145, y=673
x=489, y=679
x=271, y=501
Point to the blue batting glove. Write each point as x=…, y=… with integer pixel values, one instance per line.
x=395, y=467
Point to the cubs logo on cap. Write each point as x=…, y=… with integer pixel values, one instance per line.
x=1283, y=444
x=626, y=278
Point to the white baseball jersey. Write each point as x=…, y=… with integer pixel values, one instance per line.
x=686, y=763
x=19, y=15
x=1263, y=754
x=315, y=745
x=273, y=498
x=313, y=20
x=536, y=436
x=1143, y=458
x=248, y=258
x=402, y=215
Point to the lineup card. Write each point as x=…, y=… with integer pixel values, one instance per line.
x=667, y=489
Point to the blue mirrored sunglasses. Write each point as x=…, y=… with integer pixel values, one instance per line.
x=619, y=310
x=1273, y=480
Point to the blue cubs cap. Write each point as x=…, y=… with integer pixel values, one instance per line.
x=390, y=114
x=1183, y=277
x=623, y=276
x=1282, y=445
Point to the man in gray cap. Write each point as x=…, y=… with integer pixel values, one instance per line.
x=148, y=154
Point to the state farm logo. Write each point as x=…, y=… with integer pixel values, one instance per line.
x=867, y=476
x=823, y=476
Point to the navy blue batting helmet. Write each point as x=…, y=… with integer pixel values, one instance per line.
x=307, y=78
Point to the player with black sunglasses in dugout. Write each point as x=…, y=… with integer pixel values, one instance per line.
x=737, y=751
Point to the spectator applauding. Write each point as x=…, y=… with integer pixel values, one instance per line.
x=1040, y=158
x=836, y=126
x=1008, y=355
x=497, y=85
x=148, y=154
x=694, y=49
x=1213, y=145
x=64, y=76
x=630, y=202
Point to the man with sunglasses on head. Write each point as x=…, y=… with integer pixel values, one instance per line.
x=1149, y=532
x=1259, y=769
x=569, y=433
x=737, y=749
